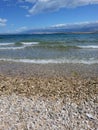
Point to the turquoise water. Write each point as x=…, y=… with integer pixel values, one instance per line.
x=50, y=48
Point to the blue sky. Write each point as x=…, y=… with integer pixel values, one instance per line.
x=19, y=15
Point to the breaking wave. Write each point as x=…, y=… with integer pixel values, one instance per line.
x=23, y=45
x=16, y=46
x=30, y=43
x=56, y=61
x=6, y=44
x=89, y=47
x=11, y=48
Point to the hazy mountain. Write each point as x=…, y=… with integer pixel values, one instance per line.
x=67, y=28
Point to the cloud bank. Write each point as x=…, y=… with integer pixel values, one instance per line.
x=39, y=6
x=64, y=28
x=74, y=25
x=21, y=29
x=3, y=22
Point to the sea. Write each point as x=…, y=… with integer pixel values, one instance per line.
x=49, y=48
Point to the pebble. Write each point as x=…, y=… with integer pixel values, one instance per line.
x=89, y=116
x=40, y=113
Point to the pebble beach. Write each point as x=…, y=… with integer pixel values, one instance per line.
x=48, y=96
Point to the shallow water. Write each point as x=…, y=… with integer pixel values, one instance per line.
x=50, y=48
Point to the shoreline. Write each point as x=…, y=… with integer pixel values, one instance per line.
x=9, y=68
x=78, y=81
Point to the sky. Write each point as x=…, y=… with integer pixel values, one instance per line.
x=21, y=15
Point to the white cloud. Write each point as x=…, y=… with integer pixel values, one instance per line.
x=39, y=6
x=21, y=29
x=24, y=7
x=59, y=25
x=54, y=5
x=74, y=25
x=3, y=22
x=30, y=1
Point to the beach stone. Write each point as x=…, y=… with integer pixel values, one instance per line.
x=48, y=99
x=40, y=113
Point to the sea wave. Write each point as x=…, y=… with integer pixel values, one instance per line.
x=22, y=45
x=89, y=47
x=11, y=48
x=30, y=43
x=6, y=44
x=16, y=46
x=59, y=47
x=50, y=61
x=19, y=43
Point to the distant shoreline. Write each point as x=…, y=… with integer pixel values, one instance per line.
x=67, y=33
x=36, y=33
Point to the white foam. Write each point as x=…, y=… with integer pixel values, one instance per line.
x=30, y=43
x=47, y=61
x=89, y=47
x=25, y=44
x=12, y=48
x=6, y=44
